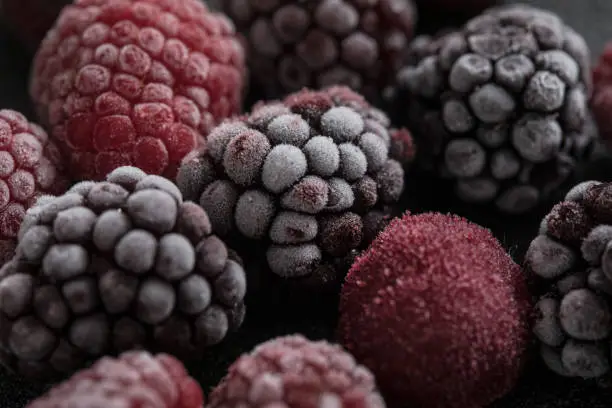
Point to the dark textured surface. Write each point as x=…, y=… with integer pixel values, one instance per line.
x=537, y=389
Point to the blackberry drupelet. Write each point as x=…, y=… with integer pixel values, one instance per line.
x=499, y=107
x=320, y=43
x=136, y=82
x=292, y=372
x=572, y=259
x=136, y=379
x=111, y=266
x=307, y=182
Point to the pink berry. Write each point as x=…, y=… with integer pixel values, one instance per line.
x=135, y=379
x=136, y=82
x=30, y=166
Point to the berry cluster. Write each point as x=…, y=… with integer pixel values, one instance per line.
x=143, y=103
x=111, y=266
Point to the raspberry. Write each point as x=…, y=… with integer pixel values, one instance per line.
x=601, y=103
x=30, y=166
x=134, y=379
x=571, y=256
x=111, y=266
x=499, y=107
x=319, y=43
x=136, y=82
x=303, y=180
x=29, y=20
x=292, y=371
x=438, y=311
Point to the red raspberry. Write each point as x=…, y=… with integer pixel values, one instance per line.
x=136, y=82
x=601, y=102
x=30, y=166
x=135, y=379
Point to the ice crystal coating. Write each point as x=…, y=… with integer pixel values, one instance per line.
x=293, y=371
x=132, y=380
x=499, y=107
x=472, y=301
x=136, y=82
x=572, y=257
x=115, y=265
x=31, y=166
x=299, y=178
x=321, y=43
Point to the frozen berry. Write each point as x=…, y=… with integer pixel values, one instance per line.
x=115, y=265
x=31, y=166
x=136, y=82
x=134, y=379
x=499, y=107
x=320, y=43
x=472, y=302
x=572, y=258
x=298, y=178
x=29, y=20
x=292, y=371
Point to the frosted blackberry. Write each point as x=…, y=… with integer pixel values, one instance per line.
x=572, y=257
x=307, y=181
x=135, y=379
x=319, y=43
x=499, y=108
x=111, y=266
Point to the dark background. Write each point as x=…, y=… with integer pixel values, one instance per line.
x=537, y=388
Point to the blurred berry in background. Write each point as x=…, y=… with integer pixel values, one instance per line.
x=320, y=43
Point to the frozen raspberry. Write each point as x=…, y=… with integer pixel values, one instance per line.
x=134, y=379
x=136, y=82
x=438, y=311
x=111, y=266
x=601, y=103
x=319, y=43
x=499, y=108
x=306, y=180
x=572, y=257
x=29, y=20
x=293, y=372
x=30, y=166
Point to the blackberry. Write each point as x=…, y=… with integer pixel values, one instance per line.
x=111, y=266
x=292, y=371
x=499, y=107
x=571, y=256
x=308, y=181
x=319, y=43
x=133, y=380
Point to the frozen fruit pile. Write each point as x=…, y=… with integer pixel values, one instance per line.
x=160, y=207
